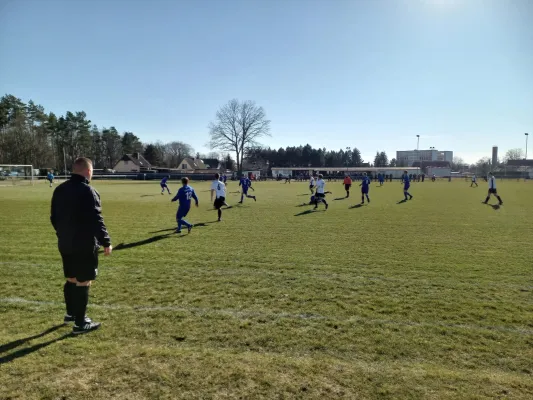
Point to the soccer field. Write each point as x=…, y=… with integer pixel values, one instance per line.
x=429, y=299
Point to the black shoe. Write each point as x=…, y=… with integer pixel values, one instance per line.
x=178, y=231
x=189, y=229
x=72, y=318
x=240, y=202
x=501, y=203
x=86, y=328
x=327, y=205
x=255, y=199
x=411, y=198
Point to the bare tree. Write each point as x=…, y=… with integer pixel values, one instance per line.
x=177, y=151
x=514, y=154
x=237, y=128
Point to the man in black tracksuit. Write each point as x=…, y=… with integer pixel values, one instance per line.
x=80, y=229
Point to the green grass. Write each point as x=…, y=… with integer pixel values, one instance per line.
x=430, y=299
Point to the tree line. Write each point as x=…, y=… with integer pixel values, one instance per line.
x=30, y=135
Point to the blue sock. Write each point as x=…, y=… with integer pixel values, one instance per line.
x=179, y=224
x=242, y=197
x=185, y=223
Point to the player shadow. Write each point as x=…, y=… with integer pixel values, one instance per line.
x=124, y=246
x=495, y=207
x=308, y=212
x=340, y=198
x=305, y=194
x=402, y=201
x=28, y=350
x=147, y=195
x=357, y=206
x=20, y=342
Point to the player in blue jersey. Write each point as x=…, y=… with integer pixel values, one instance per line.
x=246, y=184
x=184, y=196
x=381, y=178
x=164, y=186
x=50, y=178
x=365, y=187
x=406, y=185
x=224, y=178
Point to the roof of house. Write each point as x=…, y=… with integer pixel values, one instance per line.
x=212, y=163
x=196, y=163
x=520, y=163
x=137, y=159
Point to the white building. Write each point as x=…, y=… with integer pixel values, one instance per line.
x=408, y=157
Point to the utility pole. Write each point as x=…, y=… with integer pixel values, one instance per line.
x=527, y=136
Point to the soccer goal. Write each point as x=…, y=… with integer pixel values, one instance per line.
x=16, y=175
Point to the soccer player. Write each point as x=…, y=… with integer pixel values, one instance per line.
x=433, y=178
x=246, y=184
x=320, y=195
x=406, y=185
x=365, y=187
x=184, y=195
x=219, y=190
x=474, y=181
x=224, y=178
x=347, y=185
x=312, y=184
x=164, y=185
x=492, y=189
x=381, y=178
x=50, y=178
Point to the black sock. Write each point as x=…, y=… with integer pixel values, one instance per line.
x=219, y=214
x=68, y=292
x=487, y=199
x=82, y=299
x=499, y=199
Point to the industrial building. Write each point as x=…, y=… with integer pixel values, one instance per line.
x=409, y=157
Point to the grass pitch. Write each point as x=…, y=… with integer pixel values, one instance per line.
x=432, y=298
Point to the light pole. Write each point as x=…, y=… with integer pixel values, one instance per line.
x=527, y=136
x=417, y=153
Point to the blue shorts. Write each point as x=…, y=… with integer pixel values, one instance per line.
x=163, y=185
x=406, y=188
x=245, y=192
x=364, y=191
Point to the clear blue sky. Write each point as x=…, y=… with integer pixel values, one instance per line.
x=366, y=73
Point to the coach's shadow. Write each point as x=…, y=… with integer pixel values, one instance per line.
x=28, y=350
x=124, y=246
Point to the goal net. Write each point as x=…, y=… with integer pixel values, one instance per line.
x=16, y=175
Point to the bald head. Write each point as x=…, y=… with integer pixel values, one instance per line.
x=84, y=167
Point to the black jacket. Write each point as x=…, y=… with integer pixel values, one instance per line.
x=77, y=217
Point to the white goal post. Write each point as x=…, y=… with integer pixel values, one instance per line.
x=16, y=175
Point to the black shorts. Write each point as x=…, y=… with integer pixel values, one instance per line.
x=347, y=187
x=320, y=195
x=493, y=191
x=83, y=266
x=311, y=187
x=219, y=202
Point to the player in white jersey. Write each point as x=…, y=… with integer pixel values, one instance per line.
x=492, y=189
x=219, y=190
x=474, y=181
x=320, y=195
x=312, y=184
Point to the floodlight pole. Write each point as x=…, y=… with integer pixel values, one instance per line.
x=418, y=153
